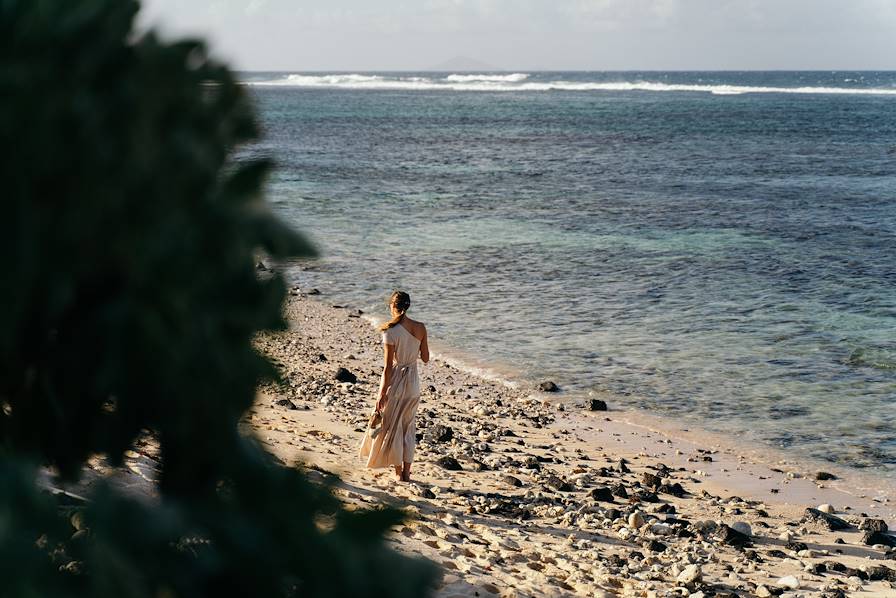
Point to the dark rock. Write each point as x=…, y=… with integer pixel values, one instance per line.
x=839, y=541
x=647, y=496
x=881, y=573
x=431, y=388
x=515, y=482
x=776, y=554
x=666, y=508
x=873, y=525
x=654, y=546
x=674, y=489
x=449, y=463
x=531, y=463
x=439, y=433
x=613, y=514
x=557, y=483
x=509, y=508
x=872, y=538
x=602, y=494
x=621, y=467
x=833, y=593
x=321, y=357
x=817, y=569
x=797, y=546
x=343, y=375
x=850, y=572
x=620, y=491
x=314, y=292
x=548, y=386
x=597, y=405
x=287, y=403
x=835, y=566
x=424, y=492
x=831, y=522
x=650, y=480
x=261, y=267
x=823, y=476
x=732, y=537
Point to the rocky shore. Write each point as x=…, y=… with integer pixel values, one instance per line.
x=518, y=493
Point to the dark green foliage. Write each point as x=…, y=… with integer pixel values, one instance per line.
x=130, y=301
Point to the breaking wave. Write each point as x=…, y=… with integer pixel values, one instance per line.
x=523, y=82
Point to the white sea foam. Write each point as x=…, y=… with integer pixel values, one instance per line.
x=512, y=78
x=522, y=82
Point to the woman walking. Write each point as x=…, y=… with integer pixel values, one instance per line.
x=393, y=442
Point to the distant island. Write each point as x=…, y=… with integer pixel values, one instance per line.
x=464, y=63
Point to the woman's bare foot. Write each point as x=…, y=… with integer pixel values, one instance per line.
x=406, y=473
x=399, y=472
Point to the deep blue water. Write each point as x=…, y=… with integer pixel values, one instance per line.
x=719, y=248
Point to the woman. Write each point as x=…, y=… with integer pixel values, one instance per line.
x=403, y=340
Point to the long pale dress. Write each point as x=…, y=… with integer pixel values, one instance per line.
x=394, y=441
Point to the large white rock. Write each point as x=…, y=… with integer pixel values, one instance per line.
x=635, y=520
x=790, y=582
x=690, y=574
x=762, y=591
x=826, y=508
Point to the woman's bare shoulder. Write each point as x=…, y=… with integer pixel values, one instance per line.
x=416, y=328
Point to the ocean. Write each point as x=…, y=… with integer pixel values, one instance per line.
x=717, y=248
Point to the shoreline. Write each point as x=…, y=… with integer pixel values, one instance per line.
x=792, y=475
x=512, y=492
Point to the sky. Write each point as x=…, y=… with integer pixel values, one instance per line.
x=359, y=35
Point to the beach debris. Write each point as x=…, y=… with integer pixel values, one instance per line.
x=512, y=481
x=823, y=476
x=439, y=433
x=831, y=522
x=448, y=462
x=597, y=405
x=881, y=573
x=650, y=480
x=872, y=538
x=548, y=386
x=343, y=375
x=602, y=494
x=873, y=525
x=732, y=537
x=558, y=483
x=287, y=403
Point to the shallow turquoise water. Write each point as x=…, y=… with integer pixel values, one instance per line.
x=717, y=247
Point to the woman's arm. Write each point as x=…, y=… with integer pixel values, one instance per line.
x=424, y=346
x=388, y=358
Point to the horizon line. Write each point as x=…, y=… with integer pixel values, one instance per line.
x=540, y=70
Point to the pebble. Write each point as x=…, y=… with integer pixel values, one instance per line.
x=742, y=527
x=826, y=508
x=790, y=582
x=635, y=520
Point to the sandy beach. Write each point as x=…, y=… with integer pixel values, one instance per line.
x=519, y=492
